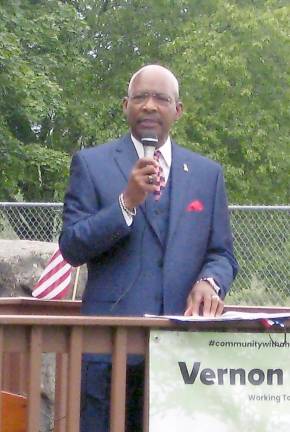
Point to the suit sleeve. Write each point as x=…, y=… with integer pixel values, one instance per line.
x=220, y=263
x=89, y=228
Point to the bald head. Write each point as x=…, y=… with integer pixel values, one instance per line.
x=152, y=104
x=157, y=69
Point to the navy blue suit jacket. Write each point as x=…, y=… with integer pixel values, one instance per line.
x=127, y=264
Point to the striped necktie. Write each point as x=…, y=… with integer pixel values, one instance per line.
x=160, y=180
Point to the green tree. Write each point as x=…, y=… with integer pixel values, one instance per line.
x=35, y=42
x=64, y=68
x=234, y=65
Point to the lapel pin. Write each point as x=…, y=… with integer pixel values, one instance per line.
x=185, y=167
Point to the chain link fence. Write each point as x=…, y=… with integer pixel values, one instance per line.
x=261, y=239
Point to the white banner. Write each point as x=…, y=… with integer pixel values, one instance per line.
x=219, y=382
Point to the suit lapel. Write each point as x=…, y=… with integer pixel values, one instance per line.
x=180, y=176
x=125, y=157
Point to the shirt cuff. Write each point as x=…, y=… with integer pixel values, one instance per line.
x=128, y=218
x=127, y=213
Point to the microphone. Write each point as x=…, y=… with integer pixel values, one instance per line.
x=150, y=142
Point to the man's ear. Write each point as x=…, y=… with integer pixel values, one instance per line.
x=125, y=104
x=179, y=110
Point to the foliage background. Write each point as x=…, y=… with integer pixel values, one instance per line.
x=65, y=65
x=64, y=69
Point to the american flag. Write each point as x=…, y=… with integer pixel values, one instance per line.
x=54, y=282
x=268, y=323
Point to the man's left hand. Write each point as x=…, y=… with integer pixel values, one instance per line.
x=203, y=300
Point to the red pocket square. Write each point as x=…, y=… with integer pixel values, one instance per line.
x=195, y=206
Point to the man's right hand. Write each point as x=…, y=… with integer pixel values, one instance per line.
x=140, y=183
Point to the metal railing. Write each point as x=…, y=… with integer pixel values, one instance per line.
x=261, y=239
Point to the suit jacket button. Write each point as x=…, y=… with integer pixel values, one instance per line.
x=160, y=263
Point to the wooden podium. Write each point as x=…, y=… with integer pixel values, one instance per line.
x=29, y=328
x=14, y=412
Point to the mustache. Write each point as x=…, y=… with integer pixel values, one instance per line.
x=154, y=118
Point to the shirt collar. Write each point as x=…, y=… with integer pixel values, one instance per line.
x=165, y=150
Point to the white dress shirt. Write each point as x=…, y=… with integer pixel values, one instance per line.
x=165, y=158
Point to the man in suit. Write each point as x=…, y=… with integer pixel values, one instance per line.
x=149, y=247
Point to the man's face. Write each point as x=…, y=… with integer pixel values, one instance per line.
x=152, y=107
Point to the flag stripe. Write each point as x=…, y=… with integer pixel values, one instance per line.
x=43, y=283
x=267, y=323
x=56, y=259
x=57, y=288
x=54, y=281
